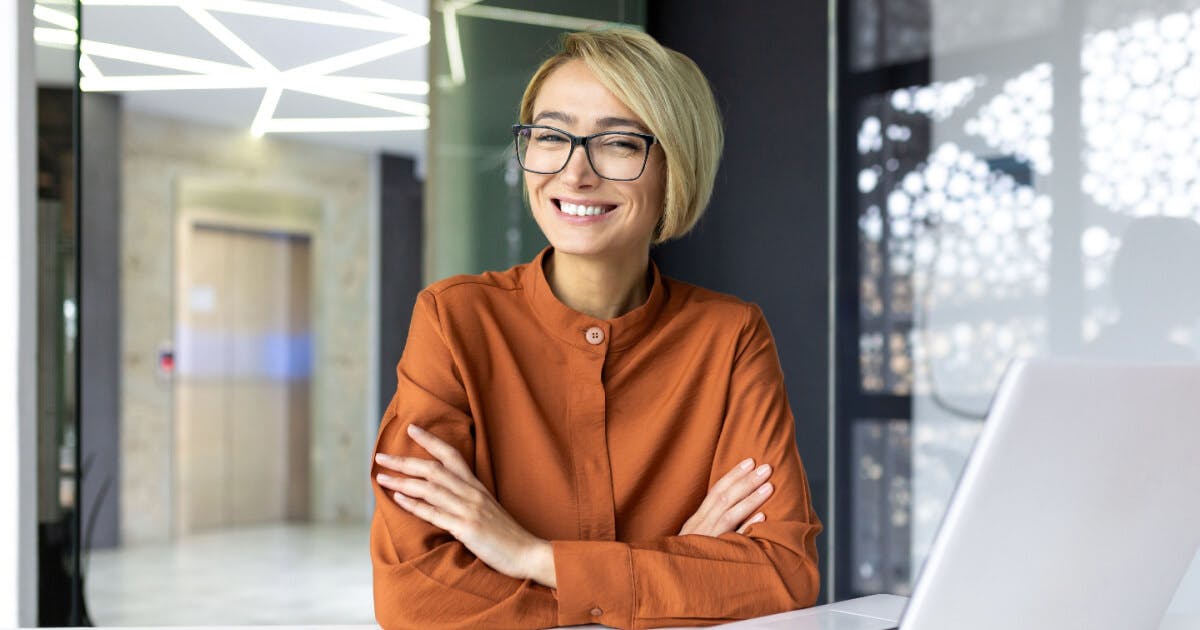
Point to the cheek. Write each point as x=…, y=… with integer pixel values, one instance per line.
x=533, y=187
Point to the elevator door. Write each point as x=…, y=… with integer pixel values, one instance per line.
x=243, y=345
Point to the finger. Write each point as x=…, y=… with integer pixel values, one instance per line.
x=757, y=518
x=431, y=493
x=717, y=498
x=390, y=462
x=423, y=511
x=740, y=489
x=746, y=507
x=428, y=469
x=441, y=451
x=748, y=484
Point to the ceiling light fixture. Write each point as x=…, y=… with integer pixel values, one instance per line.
x=321, y=125
x=406, y=23
x=363, y=55
x=458, y=70
x=87, y=67
x=536, y=18
x=166, y=82
x=315, y=78
x=231, y=41
x=389, y=10
x=61, y=19
x=266, y=109
x=452, y=9
x=160, y=59
x=57, y=37
x=366, y=99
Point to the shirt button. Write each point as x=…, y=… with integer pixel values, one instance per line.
x=594, y=336
x=596, y=612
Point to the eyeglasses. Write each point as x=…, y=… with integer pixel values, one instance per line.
x=616, y=155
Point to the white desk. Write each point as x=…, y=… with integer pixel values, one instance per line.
x=879, y=612
x=876, y=612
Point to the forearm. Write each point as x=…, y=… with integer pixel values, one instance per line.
x=687, y=579
x=445, y=586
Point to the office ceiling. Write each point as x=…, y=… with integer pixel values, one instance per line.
x=344, y=72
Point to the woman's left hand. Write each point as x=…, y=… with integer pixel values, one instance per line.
x=445, y=493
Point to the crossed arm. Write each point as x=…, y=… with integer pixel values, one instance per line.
x=444, y=492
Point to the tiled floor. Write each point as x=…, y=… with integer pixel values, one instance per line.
x=275, y=575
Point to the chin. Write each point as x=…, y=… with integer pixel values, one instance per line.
x=578, y=246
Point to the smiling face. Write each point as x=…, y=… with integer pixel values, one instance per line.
x=580, y=212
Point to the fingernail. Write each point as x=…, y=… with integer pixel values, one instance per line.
x=415, y=430
x=758, y=518
x=382, y=477
x=400, y=498
x=765, y=489
x=380, y=458
x=762, y=470
x=745, y=465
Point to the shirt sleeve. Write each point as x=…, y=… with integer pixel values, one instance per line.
x=424, y=577
x=700, y=580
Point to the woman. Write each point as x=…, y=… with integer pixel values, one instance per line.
x=580, y=439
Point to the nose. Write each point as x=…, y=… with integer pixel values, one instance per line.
x=578, y=172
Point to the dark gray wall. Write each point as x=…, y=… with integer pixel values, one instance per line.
x=400, y=237
x=765, y=235
x=100, y=317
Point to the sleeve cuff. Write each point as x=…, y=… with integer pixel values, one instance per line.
x=595, y=582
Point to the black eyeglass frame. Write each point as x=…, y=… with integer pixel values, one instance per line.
x=582, y=141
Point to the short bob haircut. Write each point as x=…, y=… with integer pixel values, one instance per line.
x=670, y=94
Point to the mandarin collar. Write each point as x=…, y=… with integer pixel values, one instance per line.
x=570, y=326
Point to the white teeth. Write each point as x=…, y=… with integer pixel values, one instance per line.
x=580, y=211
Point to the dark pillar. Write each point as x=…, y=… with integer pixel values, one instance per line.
x=100, y=320
x=400, y=228
x=765, y=237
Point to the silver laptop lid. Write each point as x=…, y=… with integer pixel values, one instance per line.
x=1079, y=506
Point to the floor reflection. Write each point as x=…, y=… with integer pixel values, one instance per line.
x=272, y=575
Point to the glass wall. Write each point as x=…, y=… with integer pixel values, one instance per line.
x=246, y=182
x=231, y=162
x=56, y=29
x=1015, y=180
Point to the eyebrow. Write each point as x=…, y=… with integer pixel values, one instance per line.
x=603, y=123
x=617, y=121
x=553, y=115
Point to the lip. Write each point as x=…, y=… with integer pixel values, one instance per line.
x=570, y=218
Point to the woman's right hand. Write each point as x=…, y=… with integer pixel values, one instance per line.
x=731, y=501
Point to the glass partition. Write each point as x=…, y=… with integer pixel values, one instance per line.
x=1016, y=180
x=56, y=28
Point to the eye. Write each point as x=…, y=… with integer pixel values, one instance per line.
x=548, y=137
x=623, y=145
x=626, y=145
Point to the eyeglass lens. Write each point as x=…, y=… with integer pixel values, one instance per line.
x=613, y=155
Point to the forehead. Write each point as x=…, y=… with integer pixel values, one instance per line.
x=573, y=95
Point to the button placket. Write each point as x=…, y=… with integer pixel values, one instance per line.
x=589, y=442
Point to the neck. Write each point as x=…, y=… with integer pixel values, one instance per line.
x=600, y=288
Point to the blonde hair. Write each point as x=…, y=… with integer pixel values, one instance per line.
x=669, y=93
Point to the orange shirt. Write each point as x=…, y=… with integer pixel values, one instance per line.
x=602, y=437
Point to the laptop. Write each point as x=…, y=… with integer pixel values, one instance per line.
x=1079, y=506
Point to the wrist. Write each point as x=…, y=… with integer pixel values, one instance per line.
x=539, y=560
